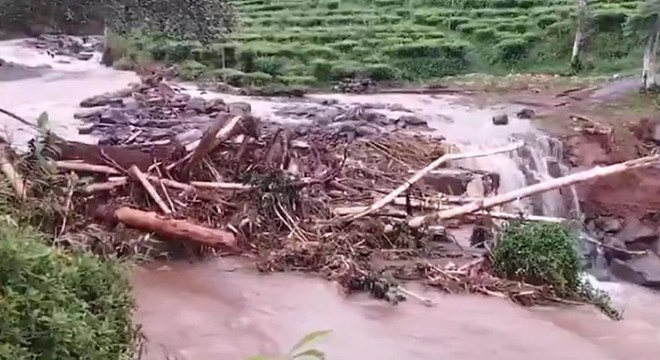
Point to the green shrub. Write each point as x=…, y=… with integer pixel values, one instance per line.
x=297, y=80
x=56, y=305
x=271, y=65
x=539, y=254
x=346, y=69
x=258, y=78
x=511, y=49
x=191, y=69
x=321, y=69
x=246, y=59
x=381, y=72
x=230, y=76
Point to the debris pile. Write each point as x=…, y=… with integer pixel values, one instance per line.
x=292, y=197
x=81, y=48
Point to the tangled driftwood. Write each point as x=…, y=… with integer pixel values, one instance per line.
x=304, y=201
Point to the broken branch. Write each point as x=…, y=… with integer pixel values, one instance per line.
x=420, y=174
x=139, y=176
x=542, y=187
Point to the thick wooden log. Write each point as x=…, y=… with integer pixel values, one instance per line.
x=170, y=228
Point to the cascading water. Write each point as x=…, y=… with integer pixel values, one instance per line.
x=538, y=161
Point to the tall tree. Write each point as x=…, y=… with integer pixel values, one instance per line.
x=646, y=24
x=580, y=33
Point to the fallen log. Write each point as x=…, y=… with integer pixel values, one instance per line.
x=542, y=187
x=139, y=176
x=169, y=228
x=343, y=211
x=84, y=167
x=430, y=167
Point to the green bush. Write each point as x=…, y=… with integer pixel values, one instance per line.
x=273, y=65
x=381, y=72
x=230, y=76
x=511, y=49
x=56, y=305
x=539, y=254
x=191, y=69
x=258, y=78
x=346, y=69
x=297, y=80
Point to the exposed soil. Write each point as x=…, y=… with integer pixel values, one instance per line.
x=615, y=105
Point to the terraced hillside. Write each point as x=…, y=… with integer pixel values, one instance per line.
x=318, y=41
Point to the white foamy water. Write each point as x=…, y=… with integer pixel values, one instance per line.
x=54, y=86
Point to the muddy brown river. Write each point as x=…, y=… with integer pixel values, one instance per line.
x=224, y=309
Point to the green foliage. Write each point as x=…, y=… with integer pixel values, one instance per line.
x=392, y=40
x=201, y=20
x=55, y=305
x=298, y=350
x=546, y=254
x=191, y=69
x=539, y=254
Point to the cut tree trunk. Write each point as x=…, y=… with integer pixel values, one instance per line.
x=649, y=78
x=534, y=189
x=170, y=228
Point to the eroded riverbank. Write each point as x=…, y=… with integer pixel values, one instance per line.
x=205, y=311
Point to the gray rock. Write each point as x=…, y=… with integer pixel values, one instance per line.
x=526, y=113
x=239, y=108
x=501, y=119
x=635, y=230
x=84, y=56
x=656, y=134
x=616, y=249
x=86, y=129
x=609, y=225
x=411, y=120
x=455, y=181
x=101, y=100
x=554, y=168
x=90, y=112
x=197, y=104
x=130, y=104
x=641, y=270
x=367, y=131
x=114, y=116
x=216, y=104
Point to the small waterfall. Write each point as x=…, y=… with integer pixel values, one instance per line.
x=539, y=160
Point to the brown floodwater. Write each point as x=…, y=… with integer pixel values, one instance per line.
x=223, y=309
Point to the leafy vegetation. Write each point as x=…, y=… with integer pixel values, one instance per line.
x=57, y=305
x=407, y=40
x=545, y=254
x=299, y=351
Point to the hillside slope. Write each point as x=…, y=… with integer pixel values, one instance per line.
x=319, y=41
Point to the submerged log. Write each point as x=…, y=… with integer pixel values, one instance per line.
x=169, y=228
